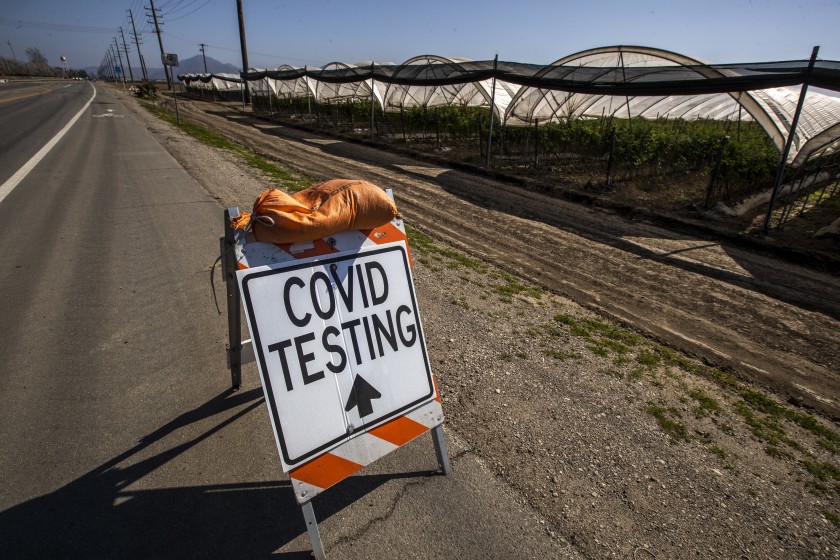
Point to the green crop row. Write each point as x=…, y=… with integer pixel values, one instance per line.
x=639, y=147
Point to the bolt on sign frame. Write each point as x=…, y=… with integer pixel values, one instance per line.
x=335, y=461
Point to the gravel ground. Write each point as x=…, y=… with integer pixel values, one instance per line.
x=629, y=448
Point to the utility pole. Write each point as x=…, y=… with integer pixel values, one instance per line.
x=160, y=42
x=112, y=62
x=122, y=71
x=127, y=61
x=202, y=45
x=143, y=64
x=246, y=97
x=137, y=42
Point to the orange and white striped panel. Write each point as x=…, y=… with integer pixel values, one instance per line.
x=359, y=450
x=315, y=476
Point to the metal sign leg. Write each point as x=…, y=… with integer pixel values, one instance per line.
x=312, y=529
x=233, y=302
x=440, y=449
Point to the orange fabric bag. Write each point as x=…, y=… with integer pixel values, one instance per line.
x=319, y=211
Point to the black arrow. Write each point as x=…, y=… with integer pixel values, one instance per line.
x=360, y=395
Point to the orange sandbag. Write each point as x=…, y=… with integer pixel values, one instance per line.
x=319, y=211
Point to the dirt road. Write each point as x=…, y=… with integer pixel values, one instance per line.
x=774, y=323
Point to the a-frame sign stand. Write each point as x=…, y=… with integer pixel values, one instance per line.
x=311, y=476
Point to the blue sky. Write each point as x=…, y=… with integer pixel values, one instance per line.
x=315, y=32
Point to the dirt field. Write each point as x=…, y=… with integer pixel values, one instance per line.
x=774, y=323
x=609, y=370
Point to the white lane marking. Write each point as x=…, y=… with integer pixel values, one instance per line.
x=110, y=113
x=21, y=174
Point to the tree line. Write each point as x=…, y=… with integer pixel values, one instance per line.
x=36, y=65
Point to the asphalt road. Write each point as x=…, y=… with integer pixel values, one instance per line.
x=32, y=113
x=118, y=431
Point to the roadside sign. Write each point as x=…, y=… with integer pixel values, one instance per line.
x=339, y=346
x=337, y=338
x=170, y=59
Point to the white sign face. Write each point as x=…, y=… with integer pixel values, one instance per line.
x=339, y=346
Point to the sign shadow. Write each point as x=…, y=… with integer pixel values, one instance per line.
x=103, y=514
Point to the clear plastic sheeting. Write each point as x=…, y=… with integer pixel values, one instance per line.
x=329, y=91
x=464, y=94
x=772, y=108
x=620, y=82
x=217, y=82
x=819, y=114
x=291, y=89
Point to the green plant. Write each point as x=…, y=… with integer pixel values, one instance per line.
x=615, y=346
x=676, y=430
x=418, y=240
x=462, y=303
x=611, y=332
x=598, y=350
x=565, y=319
x=721, y=378
x=146, y=90
x=822, y=471
x=761, y=402
x=636, y=373
x=673, y=359
x=513, y=286
x=726, y=429
x=648, y=359
x=828, y=445
x=777, y=453
x=831, y=516
x=719, y=451
x=706, y=404
x=577, y=330
x=562, y=356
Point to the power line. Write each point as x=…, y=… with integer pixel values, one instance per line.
x=229, y=49
x=46, y=26
x=136, y=5
x=190, y=13
x=181, y=6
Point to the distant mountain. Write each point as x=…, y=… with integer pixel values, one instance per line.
x=192, y=65
x=195, y=65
